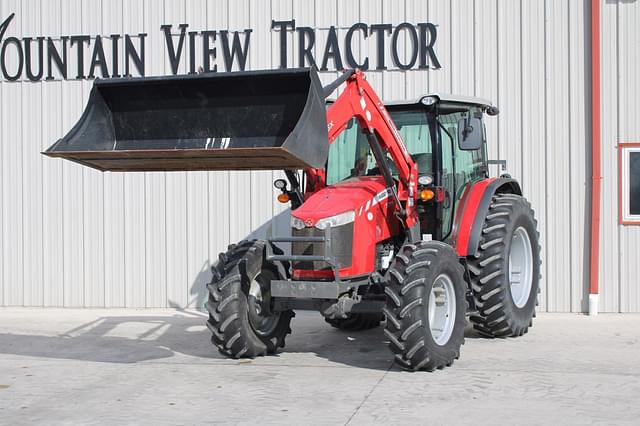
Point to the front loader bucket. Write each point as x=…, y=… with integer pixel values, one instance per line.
x=261, y=120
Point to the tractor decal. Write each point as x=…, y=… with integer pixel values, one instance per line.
x=380, y=196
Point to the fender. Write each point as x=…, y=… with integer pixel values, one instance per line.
x=473, y=207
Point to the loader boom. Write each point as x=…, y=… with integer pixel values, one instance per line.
x=360, y=101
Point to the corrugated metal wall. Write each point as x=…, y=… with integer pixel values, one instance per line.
x=72, y=236
x=620, y=255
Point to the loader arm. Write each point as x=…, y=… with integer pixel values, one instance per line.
x=359, y=100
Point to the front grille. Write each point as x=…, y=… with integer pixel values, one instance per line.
x=341, y=247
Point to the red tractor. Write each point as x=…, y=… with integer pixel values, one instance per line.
x=393, y=214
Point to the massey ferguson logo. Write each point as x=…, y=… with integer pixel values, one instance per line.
x=116, y=55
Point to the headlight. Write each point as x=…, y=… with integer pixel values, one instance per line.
x=297, y=223
x=425, y=180
x=337, y=220
x=429, y=100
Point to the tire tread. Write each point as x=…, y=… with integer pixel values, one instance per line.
x=487, y=271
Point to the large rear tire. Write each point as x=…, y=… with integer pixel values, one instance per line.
x=426, y=306
x=505, y=272
x=240, y=317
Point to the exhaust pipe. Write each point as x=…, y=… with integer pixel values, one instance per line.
x=261, y=120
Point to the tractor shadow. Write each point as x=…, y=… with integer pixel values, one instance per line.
x=363, y=349
x=142, y=337
x=278, y=225
x=120, y=339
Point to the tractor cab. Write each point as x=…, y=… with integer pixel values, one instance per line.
x=445, y=136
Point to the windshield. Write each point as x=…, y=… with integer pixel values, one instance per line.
x=350, y=155
x=414, y=129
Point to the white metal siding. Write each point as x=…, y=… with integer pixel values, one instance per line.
x=72, y=236
x=620, y=265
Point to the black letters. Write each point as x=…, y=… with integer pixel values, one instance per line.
x=380, y=29
x=97, y=58
x=16, y=42
x=414, y=45
x=131, y=53
x=174, y=57
x=14, y=53
x=351, y=61
x=229, y=54
x=208, y=53
x=61, y=62
x=192, y=51
x=283, y=25
x=80, y=40
x=5, y=25
x=27, y=58
x=304, y=51
x=114, y=54
x=332, y=50
x=428, y=48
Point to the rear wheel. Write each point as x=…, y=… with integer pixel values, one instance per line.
x=355, y=322
x=426, y=306
x=240, y=316
x=505, y=271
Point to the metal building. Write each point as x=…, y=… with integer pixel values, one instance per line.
x=71, y=236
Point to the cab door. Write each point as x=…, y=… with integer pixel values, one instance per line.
x=459, y=167
x=448, y=182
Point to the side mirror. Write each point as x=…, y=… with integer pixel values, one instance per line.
x=469, y=134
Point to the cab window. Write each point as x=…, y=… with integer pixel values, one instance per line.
x=414, y=129
x=469, y=165
x=350, y=155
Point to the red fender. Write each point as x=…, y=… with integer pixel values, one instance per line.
x=472, y=210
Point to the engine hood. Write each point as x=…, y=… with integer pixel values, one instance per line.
x=353, y=194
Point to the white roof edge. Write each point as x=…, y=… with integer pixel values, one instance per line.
x=444, y=97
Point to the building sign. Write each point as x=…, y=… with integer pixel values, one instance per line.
x=87, y=56
x=384, y=36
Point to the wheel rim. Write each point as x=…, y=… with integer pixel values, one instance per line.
x=257, y=305
x=520, y=267
x=442, y=309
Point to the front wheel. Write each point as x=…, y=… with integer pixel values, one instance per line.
x=241, y=321
x=426, y=306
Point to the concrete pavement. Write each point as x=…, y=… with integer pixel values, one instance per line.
x=129, y=367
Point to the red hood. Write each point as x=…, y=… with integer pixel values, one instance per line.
x=347, y=195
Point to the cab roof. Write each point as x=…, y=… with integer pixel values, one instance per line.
x=443, y=97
